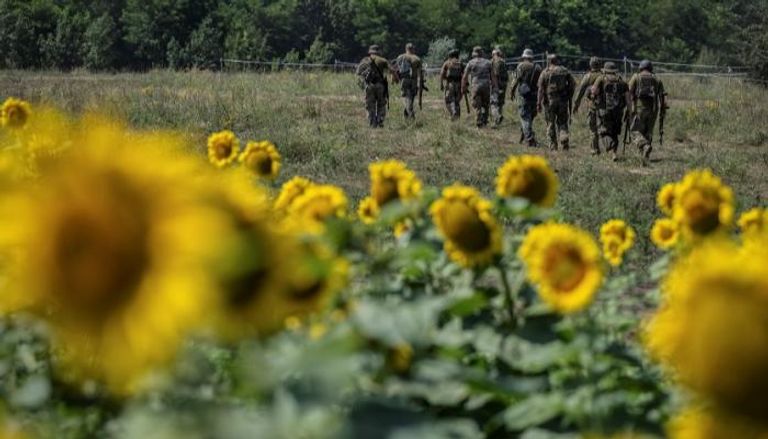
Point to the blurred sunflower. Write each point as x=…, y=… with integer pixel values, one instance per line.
x=262, y=159
x=703, y=423
x=664, y=233
x=703, y=204
x=529, y=177
x=15, y=113
x=319, y=203
x=563, y=262
x=401, y=228
x=665, y=199
x=613, y=250
x=106, y=257
x=464, y=218
x=289, y=191
x=223, y=148
x=754, y=221
x=392, y=180
x=715, y=318
x=368, y=210
x=620, y=230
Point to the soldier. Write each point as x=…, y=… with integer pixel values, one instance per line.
x=556, y=88
x=450, y=83
x=585, y=89
x=610, y=97
x=648, y=98
x=411, y=76
x=526, y=85
x=499, y=66
x=372, y=77
x=482, y=81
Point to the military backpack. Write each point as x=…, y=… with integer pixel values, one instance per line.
x=558, y=83
x=372, y=74
x=613, y=98
x=646, y=87
x=454, y=71
x=502, y=74
x=404, y=67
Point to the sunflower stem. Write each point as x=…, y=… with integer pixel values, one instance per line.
x=509, y=299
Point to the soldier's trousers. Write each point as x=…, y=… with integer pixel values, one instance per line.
x=375, y=104
x=453, y=99
x=481, y=102
x=642, y=130
x=558, y=118
x=610, y=125
x=527, y=110
x=592, y=120
x=409, y=89
x=497, y=102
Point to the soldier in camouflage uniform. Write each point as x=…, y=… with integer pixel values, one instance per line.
x=411, y=76
x=585, y=89
x=525, y=86
x=499, y=66
x=648, y=98
x=610, y=96
x=479, y=78
x=372, y=77
x=450, y=83
x=556, y=88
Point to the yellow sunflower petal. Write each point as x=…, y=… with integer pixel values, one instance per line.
x=529, y=177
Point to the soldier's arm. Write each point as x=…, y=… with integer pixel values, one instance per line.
x=494, y=80
x=513, y=87
x=540, y=95
x=662, y=96
x=631, y=89
x=582, y=89
x=464, y=80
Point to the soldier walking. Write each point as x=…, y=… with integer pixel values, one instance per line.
x=372, y=77
x=648, y=99
x=411, y=76
x=479, y=76
x=585, y=89
x=556, y=88
x=611, y=99
x=499, y=67
x=450, y=83
x=526, y=85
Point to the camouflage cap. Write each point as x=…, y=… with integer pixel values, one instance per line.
x=553, y=58
x=477, y=51
x=453, y=53
x=646, y=65
x=610, y=67
x=527, y=54
x=410, y=46
x=374, y=49
x=497, y=51
x=594, y=63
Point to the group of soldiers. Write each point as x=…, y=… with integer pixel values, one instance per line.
x=613, y=105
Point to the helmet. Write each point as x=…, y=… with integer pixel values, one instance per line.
x=553, y=58
x=527, y=54
x=610, y=67
x=497, y=51
x=477, y=51
x=454, y=53
x=594, y=63
x=646, y=65
x=374, y=50
x=410, y=46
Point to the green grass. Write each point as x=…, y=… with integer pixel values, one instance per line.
x=318, y=122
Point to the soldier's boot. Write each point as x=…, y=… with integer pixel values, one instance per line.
x=596, y=145
x=522, y=135
x=373, y=121
x=564, y=140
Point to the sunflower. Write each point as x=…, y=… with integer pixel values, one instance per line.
x=664, y=233
x=464, y=218
x=108, y=260
x=707, y=423
x=754, y=221
x=665, y=199
x=223, y=148
x=703, y=204
x=15, y=113
x=620, y=230
x=318, y=204
x=289, y=191
x=401, y=228
x=715, y=318
x=392, y=180
x=613, y=250
x=368, y=210
x=529, y=177
x=563, y=261
x=262, y=159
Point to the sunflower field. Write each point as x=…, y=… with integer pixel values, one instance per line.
x=148, y=291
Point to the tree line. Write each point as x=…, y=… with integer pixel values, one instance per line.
x=143, y=34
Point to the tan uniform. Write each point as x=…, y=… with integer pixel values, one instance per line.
x=410, y=80
x=556, y=87
x=525, y=86
x=585, y=90
x=499, y=67
x=451, y=73
x=647, y=92
x=372, y=76
x=610, y=99
x=479, y=72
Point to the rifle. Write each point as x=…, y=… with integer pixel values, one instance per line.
x=626, y=130
x=466, y=101
x=422, y=87
x=662, y=114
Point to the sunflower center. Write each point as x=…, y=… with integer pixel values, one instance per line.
x=223, y=150
x=703, y=212
x=463, y=226
x=309, y=291
x=533, y=186
x=385, y=191
x=260, y=162
x=667, y=233
x=565, y=268
x=320, y=209
x=100, y=250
